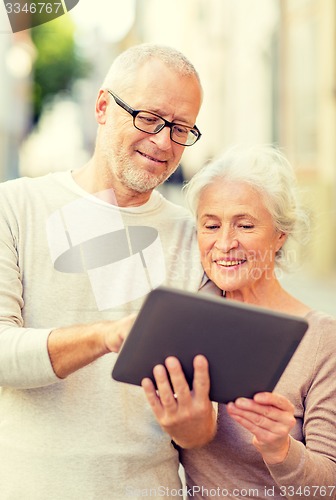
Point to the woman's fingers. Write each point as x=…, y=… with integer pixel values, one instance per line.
x=274, y=413
x=269, y=417
x=186, y=414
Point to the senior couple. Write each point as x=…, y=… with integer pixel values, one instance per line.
x=72, y=278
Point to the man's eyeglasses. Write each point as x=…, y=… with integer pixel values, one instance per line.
x=153, y=124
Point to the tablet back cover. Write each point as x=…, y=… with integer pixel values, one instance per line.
x=248, y=348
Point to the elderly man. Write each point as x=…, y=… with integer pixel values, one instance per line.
x=79, y=252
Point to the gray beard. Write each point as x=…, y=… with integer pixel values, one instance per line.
x=137, y=180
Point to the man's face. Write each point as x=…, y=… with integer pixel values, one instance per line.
x=135, y=159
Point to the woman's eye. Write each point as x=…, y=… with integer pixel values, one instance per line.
x=246, y=226
x=212, y=226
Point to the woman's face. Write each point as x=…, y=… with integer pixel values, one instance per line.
x=236, y=236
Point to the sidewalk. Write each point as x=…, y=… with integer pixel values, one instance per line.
x=318, y=294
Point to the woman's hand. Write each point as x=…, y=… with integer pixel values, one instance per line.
x=187, y=416
x=269, y=417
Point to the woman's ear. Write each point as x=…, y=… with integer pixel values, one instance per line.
x=101, y=106
x=281, y=239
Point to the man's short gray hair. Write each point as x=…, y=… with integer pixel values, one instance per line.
x=123, y=69
x=267, y=170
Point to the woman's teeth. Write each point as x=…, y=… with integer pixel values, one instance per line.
x=230, y=263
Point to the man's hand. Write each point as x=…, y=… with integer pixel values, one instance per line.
x=74, y=347
x=187, y=416
x=270, y=417
x=115, y=332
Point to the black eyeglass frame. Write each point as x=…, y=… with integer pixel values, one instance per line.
x=134, y=113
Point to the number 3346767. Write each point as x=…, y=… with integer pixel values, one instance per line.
x=33, y=8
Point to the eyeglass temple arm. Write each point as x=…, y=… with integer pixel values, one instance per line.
x=122, y=103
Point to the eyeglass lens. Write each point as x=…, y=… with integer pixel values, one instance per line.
x=152, y=124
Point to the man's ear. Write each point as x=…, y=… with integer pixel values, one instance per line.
x=101, y=106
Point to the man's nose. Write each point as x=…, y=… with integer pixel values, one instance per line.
x=162, y=139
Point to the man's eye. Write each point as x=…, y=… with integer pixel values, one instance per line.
x=149, y=120
x=211, y=226
x=246, y=226
x=180, y=131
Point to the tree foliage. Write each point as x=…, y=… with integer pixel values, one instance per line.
x=58, y=63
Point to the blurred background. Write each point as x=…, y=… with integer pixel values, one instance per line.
x=268, y=69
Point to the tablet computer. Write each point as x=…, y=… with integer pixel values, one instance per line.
x=247, y=347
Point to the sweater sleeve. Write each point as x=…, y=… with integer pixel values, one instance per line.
x=310, y=467
x=24, y=358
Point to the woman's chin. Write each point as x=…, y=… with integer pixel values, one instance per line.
x=227, y=283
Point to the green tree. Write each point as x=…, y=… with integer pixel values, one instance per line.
x=58, y=63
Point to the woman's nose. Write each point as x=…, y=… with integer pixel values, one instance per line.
x=226, y=240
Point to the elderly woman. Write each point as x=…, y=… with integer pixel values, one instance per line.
x=276, y=445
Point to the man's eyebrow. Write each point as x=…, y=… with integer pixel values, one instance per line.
x=161, y=113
